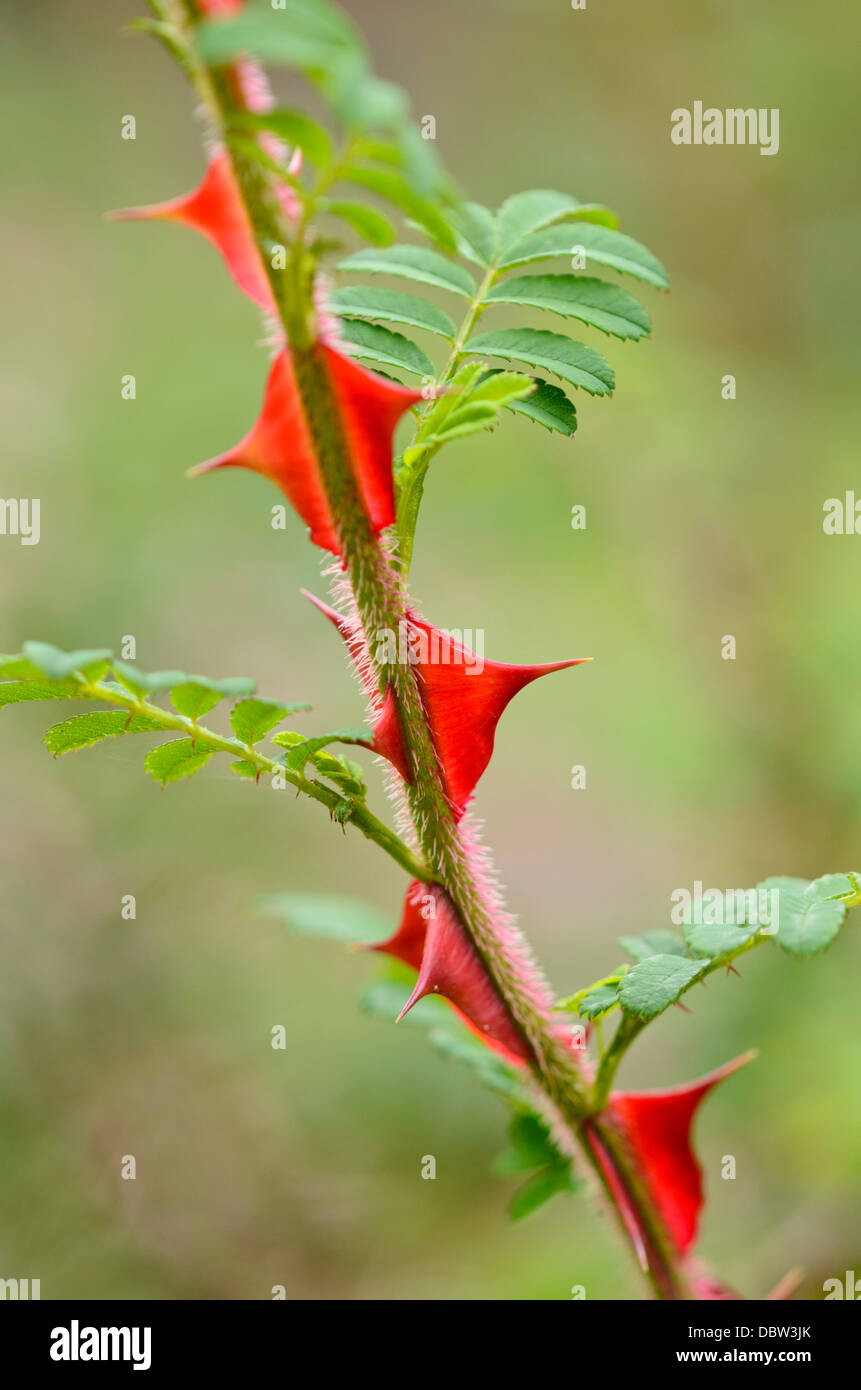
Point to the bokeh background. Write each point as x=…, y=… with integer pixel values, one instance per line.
x=152, y=1037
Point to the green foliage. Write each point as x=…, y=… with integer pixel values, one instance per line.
x=530, y=226
x=393, y=187
x=369, y=302
x=571, y=361
x=809, y=917
x=532, y=1150
x=373, y=343
x=718, y=940
x=83, y=730
x=475, y=231
x=300, y=750
x=369, y=223
x=59, y=665
x=251, y=720
x=139, y=683
x=653, y=943
x=600, y=244
x=598, y=1001
x=296, y=128
x=179, y=758
x=547, y=406
x=653, y=985
x=198, y=695
x=540, y=1188
x=808, y=921
x=326, y=915
x=603, y=306
x=416, y=263
x=129, y=695
x=528, y=212
x=14, y=692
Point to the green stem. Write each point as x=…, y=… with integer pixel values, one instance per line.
x=382, y=606
x=629, y=1028
x=358, y=815
x=411, y=480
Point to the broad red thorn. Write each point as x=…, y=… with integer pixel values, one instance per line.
x=464, y=697
x=432, y=939
x=217, y=211
x=707, y=1289
x=216, y=9
x=280, y=445
x=657, y=1126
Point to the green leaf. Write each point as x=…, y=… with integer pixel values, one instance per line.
x=413, y=263
x=603, y=306
x=18, y=668
x=369, y=302
x=176, y=759
x=243, y=768
x=488, y=1066
x=83, y=730
x=18, y=692
x=297, y=129
x=232, y=687
x=59, y=665
x=599, y=1001
x=469, y=417
x=328, y=915
x=365, y=102
x=717, y=940
x=501, y=387
x=310, y=36
x=653, y=985
x=388, y=184
x=528, y=212
x=369, y=223
x=408, y=151
x=373, y=343
x=573, y=362
x=807, y=923
x=607, y=247
x=549, y=406
x=194, y=698
x=540, y=1188
x=475, y=228
x=139, y=683
x=251, y=720
x=531, y=1146
x=832, y=886
x=653, y=943
x=346, y=774
x=198, y=695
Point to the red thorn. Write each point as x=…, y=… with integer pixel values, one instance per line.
x=216, y=210
x=657, y=1125
x=281, y=447
x=464, y=697
x=786, y=1287
x=448, y=964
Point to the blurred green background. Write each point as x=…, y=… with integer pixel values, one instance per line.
x=152, y=1037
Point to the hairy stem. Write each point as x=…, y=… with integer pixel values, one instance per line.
x=382, y=606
